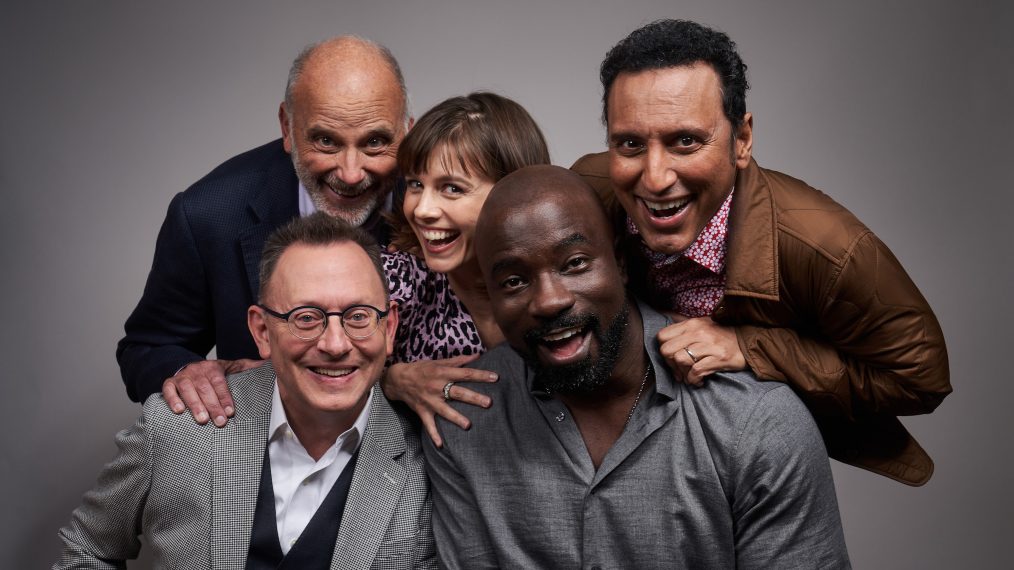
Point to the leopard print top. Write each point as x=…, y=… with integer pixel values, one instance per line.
x=433, y=324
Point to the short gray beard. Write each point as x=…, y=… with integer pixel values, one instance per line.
x=318, y=193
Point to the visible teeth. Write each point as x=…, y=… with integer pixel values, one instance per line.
x=334, y=373
x=348, y=192
x=561, y=335
x=434, y=235
x=658, y=206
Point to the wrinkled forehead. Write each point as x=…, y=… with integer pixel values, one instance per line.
x=358, y=93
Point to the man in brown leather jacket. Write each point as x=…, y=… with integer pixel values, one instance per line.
x=760, y=270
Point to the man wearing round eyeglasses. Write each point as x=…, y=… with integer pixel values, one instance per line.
x=341, y=482
x=320, y=366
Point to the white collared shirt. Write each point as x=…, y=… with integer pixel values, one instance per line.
x=306, y=205
x=300, y=484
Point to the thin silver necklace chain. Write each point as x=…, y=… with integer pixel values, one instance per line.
x=637, y=399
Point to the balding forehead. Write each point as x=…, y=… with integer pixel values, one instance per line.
x=355, y=65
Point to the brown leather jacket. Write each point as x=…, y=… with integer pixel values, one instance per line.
x=820, y=303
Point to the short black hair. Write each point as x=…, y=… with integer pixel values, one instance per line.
x=674, y=43
x=317, y=229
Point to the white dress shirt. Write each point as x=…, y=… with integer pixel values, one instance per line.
x=300, y=484
x=306, y=205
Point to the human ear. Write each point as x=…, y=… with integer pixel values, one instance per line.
x=283, y=122
x=391, y=326
x=258, y=325
x=743, y=141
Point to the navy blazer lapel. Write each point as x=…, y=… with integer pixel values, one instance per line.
x=377, y=486
x=251, y=241
x=236, y=468
x=276, y=203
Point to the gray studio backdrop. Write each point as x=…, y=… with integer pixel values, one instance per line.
x=899, y=111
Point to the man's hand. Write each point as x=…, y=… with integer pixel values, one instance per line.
x=200, y=386
x=421, y=385
x=697, y=347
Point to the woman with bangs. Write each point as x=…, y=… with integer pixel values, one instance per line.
x=450, y=159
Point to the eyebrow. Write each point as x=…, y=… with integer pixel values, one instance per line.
x=573, y=239
x=621, y=136
x=381, y=132
x=503, y=264
x=378, y=131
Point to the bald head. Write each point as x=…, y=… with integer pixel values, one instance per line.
x=344, y=115
x=526, y=208
x=348, y=62
x=556, y=289
x=537, y=188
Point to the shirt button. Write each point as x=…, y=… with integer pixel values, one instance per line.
x=293, y=542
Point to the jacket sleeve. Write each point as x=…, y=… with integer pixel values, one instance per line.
x=462, y=537
x=876, y=349
x=103, y=531
x=172, y=324
x=783, y=498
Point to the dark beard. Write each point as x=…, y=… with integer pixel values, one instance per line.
x=586, y=375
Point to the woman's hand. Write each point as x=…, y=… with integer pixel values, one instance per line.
x=421, y=386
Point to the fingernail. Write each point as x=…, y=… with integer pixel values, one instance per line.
x=202, y=417
x=219, y=421
x=229, y=411
x=493, y=376
x=178, y=408
x=487, y=403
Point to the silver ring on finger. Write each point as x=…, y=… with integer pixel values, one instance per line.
x=447, y=390
x=686, y=349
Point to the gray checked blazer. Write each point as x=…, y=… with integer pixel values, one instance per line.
x=190, y=490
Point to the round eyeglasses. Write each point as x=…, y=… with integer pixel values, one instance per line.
x=309, y=322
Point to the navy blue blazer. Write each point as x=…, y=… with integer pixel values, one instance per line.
x=205, y=272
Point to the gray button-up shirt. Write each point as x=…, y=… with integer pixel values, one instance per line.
x=730, y=475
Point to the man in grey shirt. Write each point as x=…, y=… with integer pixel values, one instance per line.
x=592, y=455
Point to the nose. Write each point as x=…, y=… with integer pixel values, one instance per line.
x=350, y=167
x=658, y=175
x=551, y=297
x=427, y=209
x=334, y=341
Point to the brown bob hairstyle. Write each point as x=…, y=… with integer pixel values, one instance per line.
x=487, y=134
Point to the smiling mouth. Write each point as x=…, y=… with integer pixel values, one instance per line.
x=565, y=343
x=331, y=372
x=439, y=238
x=349, y=193
x=666, y=209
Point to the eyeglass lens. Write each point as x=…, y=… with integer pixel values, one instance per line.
x=309, y=323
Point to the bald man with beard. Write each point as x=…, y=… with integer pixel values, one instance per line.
x=344, y=114
x=593, y=456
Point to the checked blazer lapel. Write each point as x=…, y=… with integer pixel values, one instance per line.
x=377, y=486
x=236, y=468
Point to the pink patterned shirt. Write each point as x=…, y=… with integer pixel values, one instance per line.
x=692, y=282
